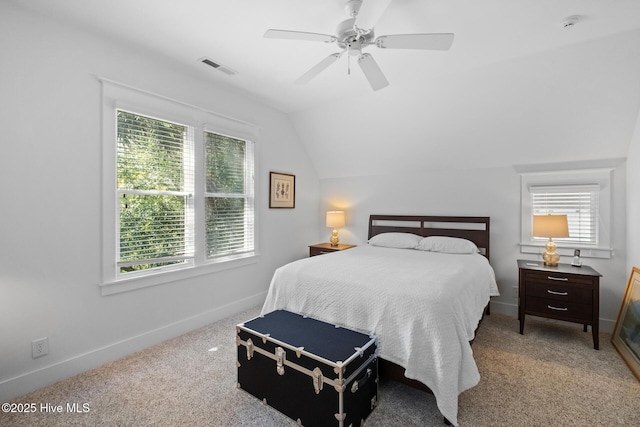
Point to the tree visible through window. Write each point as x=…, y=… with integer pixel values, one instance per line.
x=229, y=195
x=178, y=190
x=156, y=169
x=155, y=189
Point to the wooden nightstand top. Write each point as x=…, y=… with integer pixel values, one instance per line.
x=585, y=270
x=327, y=246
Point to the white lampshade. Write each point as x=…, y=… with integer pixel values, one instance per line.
x=335, y=219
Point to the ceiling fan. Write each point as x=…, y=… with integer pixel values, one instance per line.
x=352, y=38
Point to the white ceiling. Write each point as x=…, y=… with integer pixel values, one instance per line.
x=513, y=78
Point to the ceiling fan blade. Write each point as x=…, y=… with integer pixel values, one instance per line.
x=318, y=68
x=372, y=72
x=299, y=35
x=434, y=41
x=371, y=11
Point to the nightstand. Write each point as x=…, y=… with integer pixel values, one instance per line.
x=325, y=248
x=564, y=293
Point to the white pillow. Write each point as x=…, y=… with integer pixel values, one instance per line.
x=450, y=245
x=396, y=240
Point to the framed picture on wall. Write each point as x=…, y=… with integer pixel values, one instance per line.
x=626, y=335
x=282, y=190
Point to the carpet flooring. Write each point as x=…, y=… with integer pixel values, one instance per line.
x=550, y=376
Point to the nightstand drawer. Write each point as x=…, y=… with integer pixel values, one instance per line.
x=559, y=292
x=319, y=251
x=557, y=278
x=564, y=310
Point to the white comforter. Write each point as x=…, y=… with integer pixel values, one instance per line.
x=424, y=307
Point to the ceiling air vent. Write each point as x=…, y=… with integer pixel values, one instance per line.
x=218, y=66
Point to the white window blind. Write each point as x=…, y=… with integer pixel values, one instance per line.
x=579, y=202
x=229, y=197
x=155, y=185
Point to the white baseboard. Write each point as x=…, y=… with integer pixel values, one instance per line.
x=504, y=308
x=30, y=381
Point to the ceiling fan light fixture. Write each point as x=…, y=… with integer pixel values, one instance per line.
x=355, y=48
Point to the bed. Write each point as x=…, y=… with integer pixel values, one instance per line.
x=422, y=284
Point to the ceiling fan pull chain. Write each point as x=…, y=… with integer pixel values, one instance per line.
x=348, y=60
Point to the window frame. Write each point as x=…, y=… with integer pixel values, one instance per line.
x=583, y=177
x=118, y=96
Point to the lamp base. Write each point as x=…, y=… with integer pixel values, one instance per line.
x=334, y=238
x=550, y=256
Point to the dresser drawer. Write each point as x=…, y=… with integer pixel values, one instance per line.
x=564, y=310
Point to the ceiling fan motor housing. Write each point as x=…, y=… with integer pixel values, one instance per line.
x=350, y=35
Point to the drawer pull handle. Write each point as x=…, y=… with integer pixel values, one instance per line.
x=564, y=294
x=560, y=279
x=550, y=307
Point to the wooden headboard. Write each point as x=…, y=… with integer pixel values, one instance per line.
x=474, y=228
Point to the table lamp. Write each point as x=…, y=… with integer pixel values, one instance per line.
x=335, y=219
x=550, y=226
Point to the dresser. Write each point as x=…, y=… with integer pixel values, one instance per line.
x=325, y=248
x=567, y=293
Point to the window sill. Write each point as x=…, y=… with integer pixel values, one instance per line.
x=585, y=251
x=140, y=282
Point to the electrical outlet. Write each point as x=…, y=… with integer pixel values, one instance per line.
x=514, y=292
x=40, y=347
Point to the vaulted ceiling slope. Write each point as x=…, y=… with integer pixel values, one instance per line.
x=516, y=87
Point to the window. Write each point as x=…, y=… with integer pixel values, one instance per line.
x=155, y=189
x=178, y=190
x=229, y=195
x=583, y=195
x=579, y=202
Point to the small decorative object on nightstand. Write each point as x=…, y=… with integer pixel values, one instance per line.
x=562, y=292
x=577, y=262
x=325, y=248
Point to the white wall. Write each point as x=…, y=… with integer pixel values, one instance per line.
x=493, y=192
x=50, y=209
